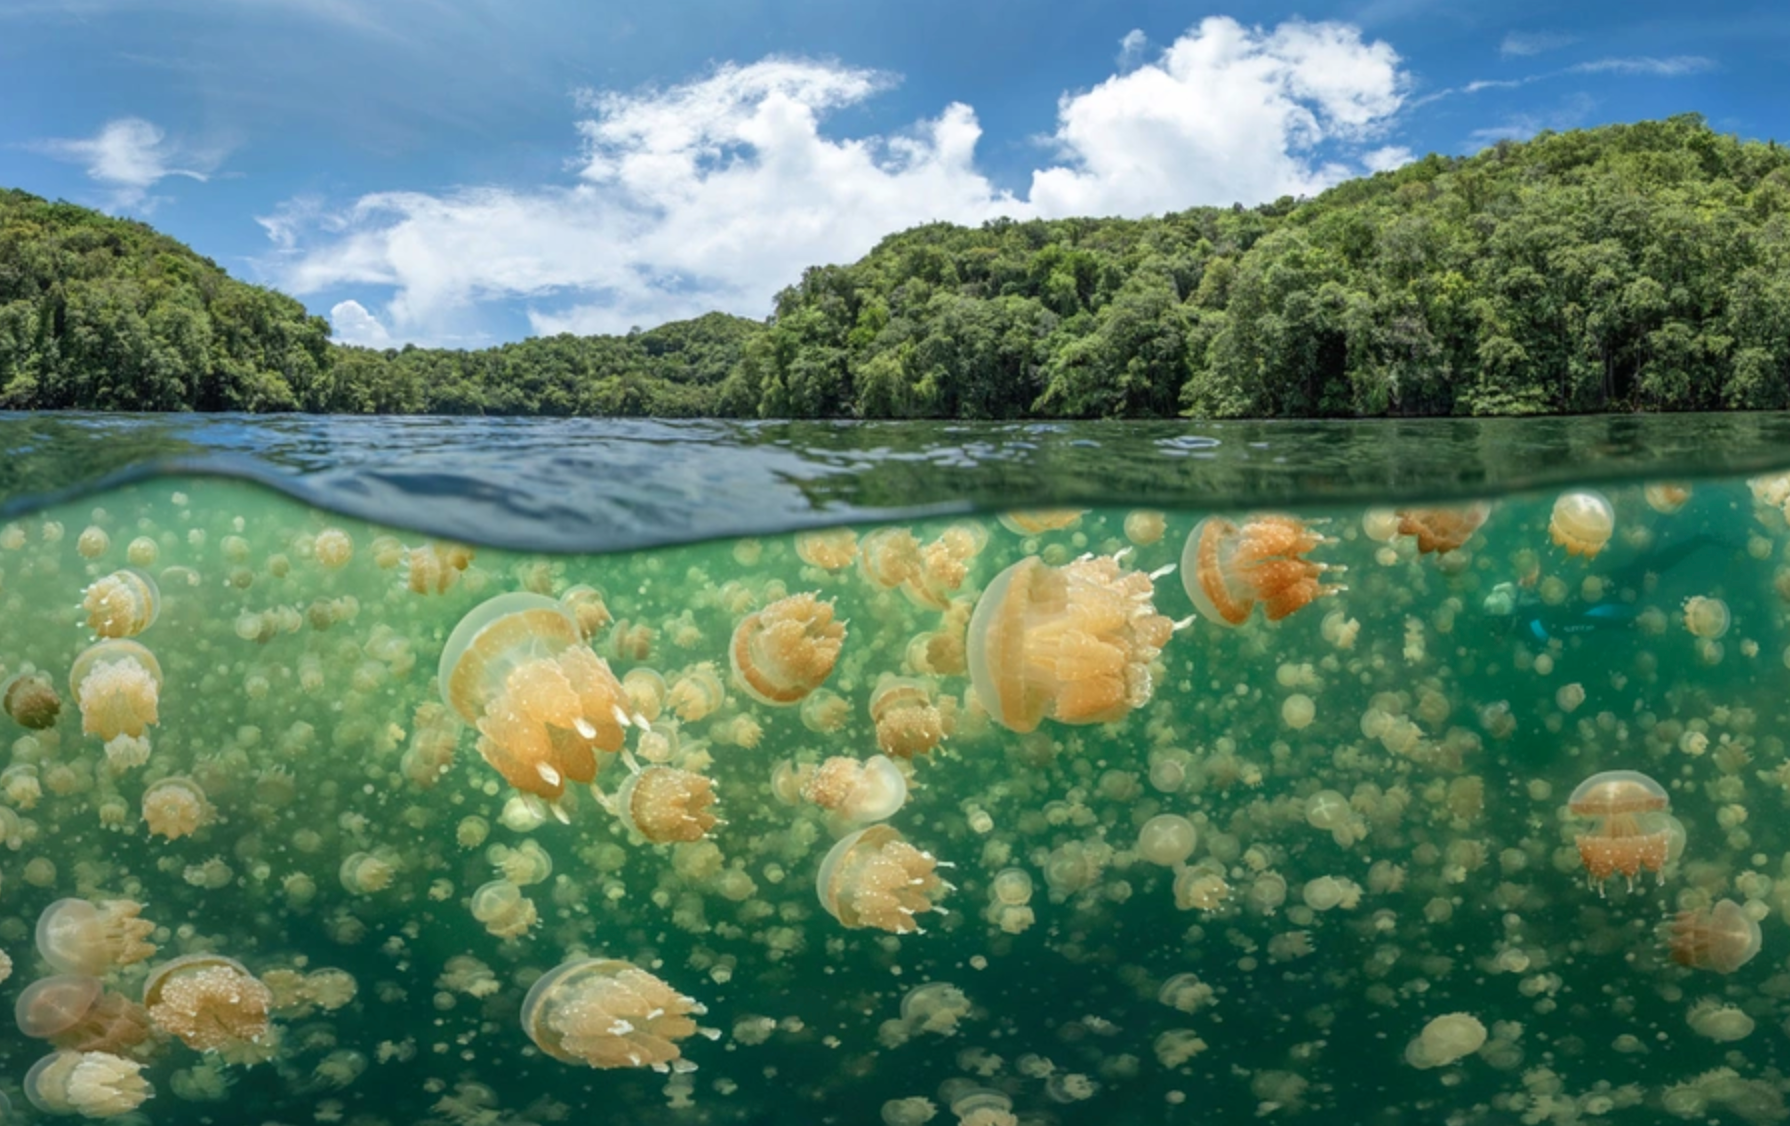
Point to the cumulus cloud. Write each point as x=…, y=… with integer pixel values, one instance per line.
x=352, y=324
x=715, y=193
x=129, y=156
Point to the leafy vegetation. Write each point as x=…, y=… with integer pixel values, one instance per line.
x=1641, y=266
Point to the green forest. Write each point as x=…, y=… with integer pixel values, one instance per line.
x=1630, y=267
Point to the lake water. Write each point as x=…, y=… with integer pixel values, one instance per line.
x=1152, y=865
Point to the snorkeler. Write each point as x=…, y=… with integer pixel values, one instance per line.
x=1521, y=610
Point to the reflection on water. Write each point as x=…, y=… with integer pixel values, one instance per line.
x=616, y=484
x=1468, y=813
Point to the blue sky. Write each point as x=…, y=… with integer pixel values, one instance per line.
x=465, y=172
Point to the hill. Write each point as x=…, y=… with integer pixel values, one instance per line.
x=1642, y=266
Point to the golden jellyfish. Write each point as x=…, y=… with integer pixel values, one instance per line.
x=1706, y=618
x=609, y=1013
x=859, y=792
x=503, y=910
x=786, y=650
x=1445, y=1040
x=907, y=722
x=1228, y=568
x=1722, y=938
x=434, y=568
x=589, y=609
x=825, y=711
x=175, y=807
x=1167, y=839
x=696, y=693
x=944, y=565
x=888, y=557
x=665, y=804
x=1038, y=521
x=517, y=669
x=875, y=878
x=1666, y=497
x=118, y=685
x=332, y=548
x=90, y=1084
x=1145, y=527
x=210, y=1002
x=1441, y=530
x=646, y=691
x=52, y=1005
x=831, y=549
x=1631, y=834
x=1582, y=522
x=76, y=936
x=122, y=604
x=1072, y=643
x=31, y=701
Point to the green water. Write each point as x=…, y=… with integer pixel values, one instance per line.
x=290, y=694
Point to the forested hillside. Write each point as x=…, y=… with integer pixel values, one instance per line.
x=1641, y=266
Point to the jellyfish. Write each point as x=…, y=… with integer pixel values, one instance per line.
x=859, y=792
x=1167, y=839
x=609, y=1013
x=888, y=557
x=90, y=1084
x=1722, y=938
x=665, y=804
x=1666, y=497
x=588, y=609
x=1441, y=530
x=1072, y=643
x=875, y=878
x=76, y=1013
x=646, y=691
x=907, y=722
x=52, y=1005
x=786, y=650
x=1445, y=1040
x=832, y=549
x=944, y=565
x=517, y=668
x=825, y=711
x=175, y=807
x=31, y=701
x=123, y=604
x=503, y=909
x=435, y=568
x=1227, y=569
x=696, y=693
x=1038, y=521
x=78, y=937
x=1629, y=836
x=1706, y=618
x=118, y=684
x=1582, y=522
x=332, y=548
x=210, y=1002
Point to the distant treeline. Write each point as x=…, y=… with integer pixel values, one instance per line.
x=1641, y=266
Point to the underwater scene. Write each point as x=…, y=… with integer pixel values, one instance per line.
x=1465, y=813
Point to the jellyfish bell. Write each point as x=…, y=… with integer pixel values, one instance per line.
x=118, y=685
x=1666, y=497
x=907, y=721
x=30, y=699
x=1632, y=833
x=1072, y=643
x=1167, y=839
x=875, y=878
x=830, y=549
x=52, y=1005
x=785, y=651
x=1038, y=521
x=175, y=807
x=122, y=604
x=1706, y=618
x=517, y=669
x=1721, y=938
x=1445, y=1040
x=1441, y=530
x=1228, y=569
x=1582, y=522
x=609, y=1013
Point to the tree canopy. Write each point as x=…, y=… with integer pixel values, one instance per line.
x=1642, y=266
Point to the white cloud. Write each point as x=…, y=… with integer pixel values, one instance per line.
x=352, y=324
x=130, y=156
x=1227, y=113
x=715, y=193
x=1674, y=67
x=1131, y=48
x=1524, y=44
